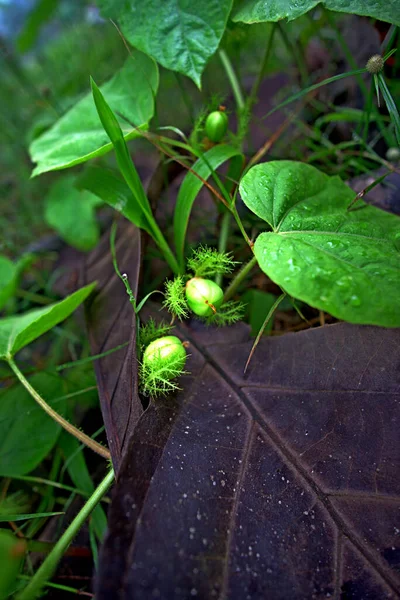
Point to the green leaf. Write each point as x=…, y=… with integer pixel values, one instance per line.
x=258, y=304
x=79, y=473
x=79, y=135
x=8, y=279
x=18, y=517
x=27, y=433
x=10, y=272
x=12, y=553
x=40, y=15
x=258, y=11
x=181, y=36
x=124, y=160
x=346, y=263
x=71, y=213
x=128, y=170
x=390, y=104
x=18, y=331
x=192, y=185
x=107, y=185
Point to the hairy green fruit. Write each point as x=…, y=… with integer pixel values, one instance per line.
x=166, y=354
x=163, y=361
x=216, y=125
x=203, y=296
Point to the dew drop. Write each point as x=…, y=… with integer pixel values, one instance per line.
x=355, y=300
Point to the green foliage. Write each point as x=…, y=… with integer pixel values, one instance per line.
x=257, y=11
x=257, y=305
x=79, y=473
x=27, y=434
x=40, y=14
x=319, y=245
x=390, y=104
x=79, y=136
x=192, y=184
x=8, y=279
x=150, y=331
x=207, y=262
x=129, y=172
x=20, y=330
x=343, y=262
x=107, y=185
x=180, y=36
x=28, y=517
x=10, y=273
x=71, y=213
x=229, y=313
x=12, y=552
x=175, y=300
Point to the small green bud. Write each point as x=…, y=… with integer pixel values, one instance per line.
x=216, y=125
x=375, y=64
x=203, y=296
x=166, y=353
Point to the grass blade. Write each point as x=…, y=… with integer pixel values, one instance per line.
x=391, y=105
x=311, y=88
x=263, y=326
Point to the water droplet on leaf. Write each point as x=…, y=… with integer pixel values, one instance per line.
x=355, y=300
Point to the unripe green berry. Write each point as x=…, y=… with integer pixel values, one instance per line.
x=203, y=296
x=375, y=64
x=167, y=352
x=216, y=125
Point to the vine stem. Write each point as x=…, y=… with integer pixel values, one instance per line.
x=233, y=80
x=49, y=565
x=254, y=90
x=296, y=51
x=82, y=437
x=239, y=278
x=223, y=239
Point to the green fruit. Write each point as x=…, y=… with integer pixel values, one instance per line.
x=203, y=296
x=216, y=125
x=167, y=353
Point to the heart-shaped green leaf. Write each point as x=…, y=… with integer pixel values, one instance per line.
x=27, y=434
x=71, y=212
x=257, y=11
x=79, y=134
x=181, y=36
x=18, y=331
x=346, y=263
